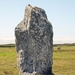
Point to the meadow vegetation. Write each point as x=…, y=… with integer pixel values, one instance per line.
x=8, y=61
x=63, y=60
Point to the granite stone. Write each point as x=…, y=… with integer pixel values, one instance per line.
x=34, y=43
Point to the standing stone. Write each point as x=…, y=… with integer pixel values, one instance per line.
x=34, y=43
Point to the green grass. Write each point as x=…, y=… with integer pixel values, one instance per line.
x=8, y=61
x=63, y=61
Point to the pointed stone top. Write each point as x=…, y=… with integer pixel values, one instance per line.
x=29, y=9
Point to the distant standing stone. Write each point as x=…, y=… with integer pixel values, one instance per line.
x=34, y=43
x=58, y=48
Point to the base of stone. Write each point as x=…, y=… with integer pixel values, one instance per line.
x=35, y=74
x=48, y=72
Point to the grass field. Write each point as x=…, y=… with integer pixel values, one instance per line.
x=63, y=61
x=8, y=61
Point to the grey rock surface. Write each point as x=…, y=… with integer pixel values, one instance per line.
x=34, y=43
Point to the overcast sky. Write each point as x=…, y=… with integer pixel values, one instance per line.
x=61, y=13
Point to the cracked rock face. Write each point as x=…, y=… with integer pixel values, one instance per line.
x=34, y=43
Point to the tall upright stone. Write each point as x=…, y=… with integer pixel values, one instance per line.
x=34, y=43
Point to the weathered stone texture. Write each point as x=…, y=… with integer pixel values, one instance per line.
x=34, y=43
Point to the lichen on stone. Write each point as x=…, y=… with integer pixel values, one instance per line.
x=34, y=43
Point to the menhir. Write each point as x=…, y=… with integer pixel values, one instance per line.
x=34, y=43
